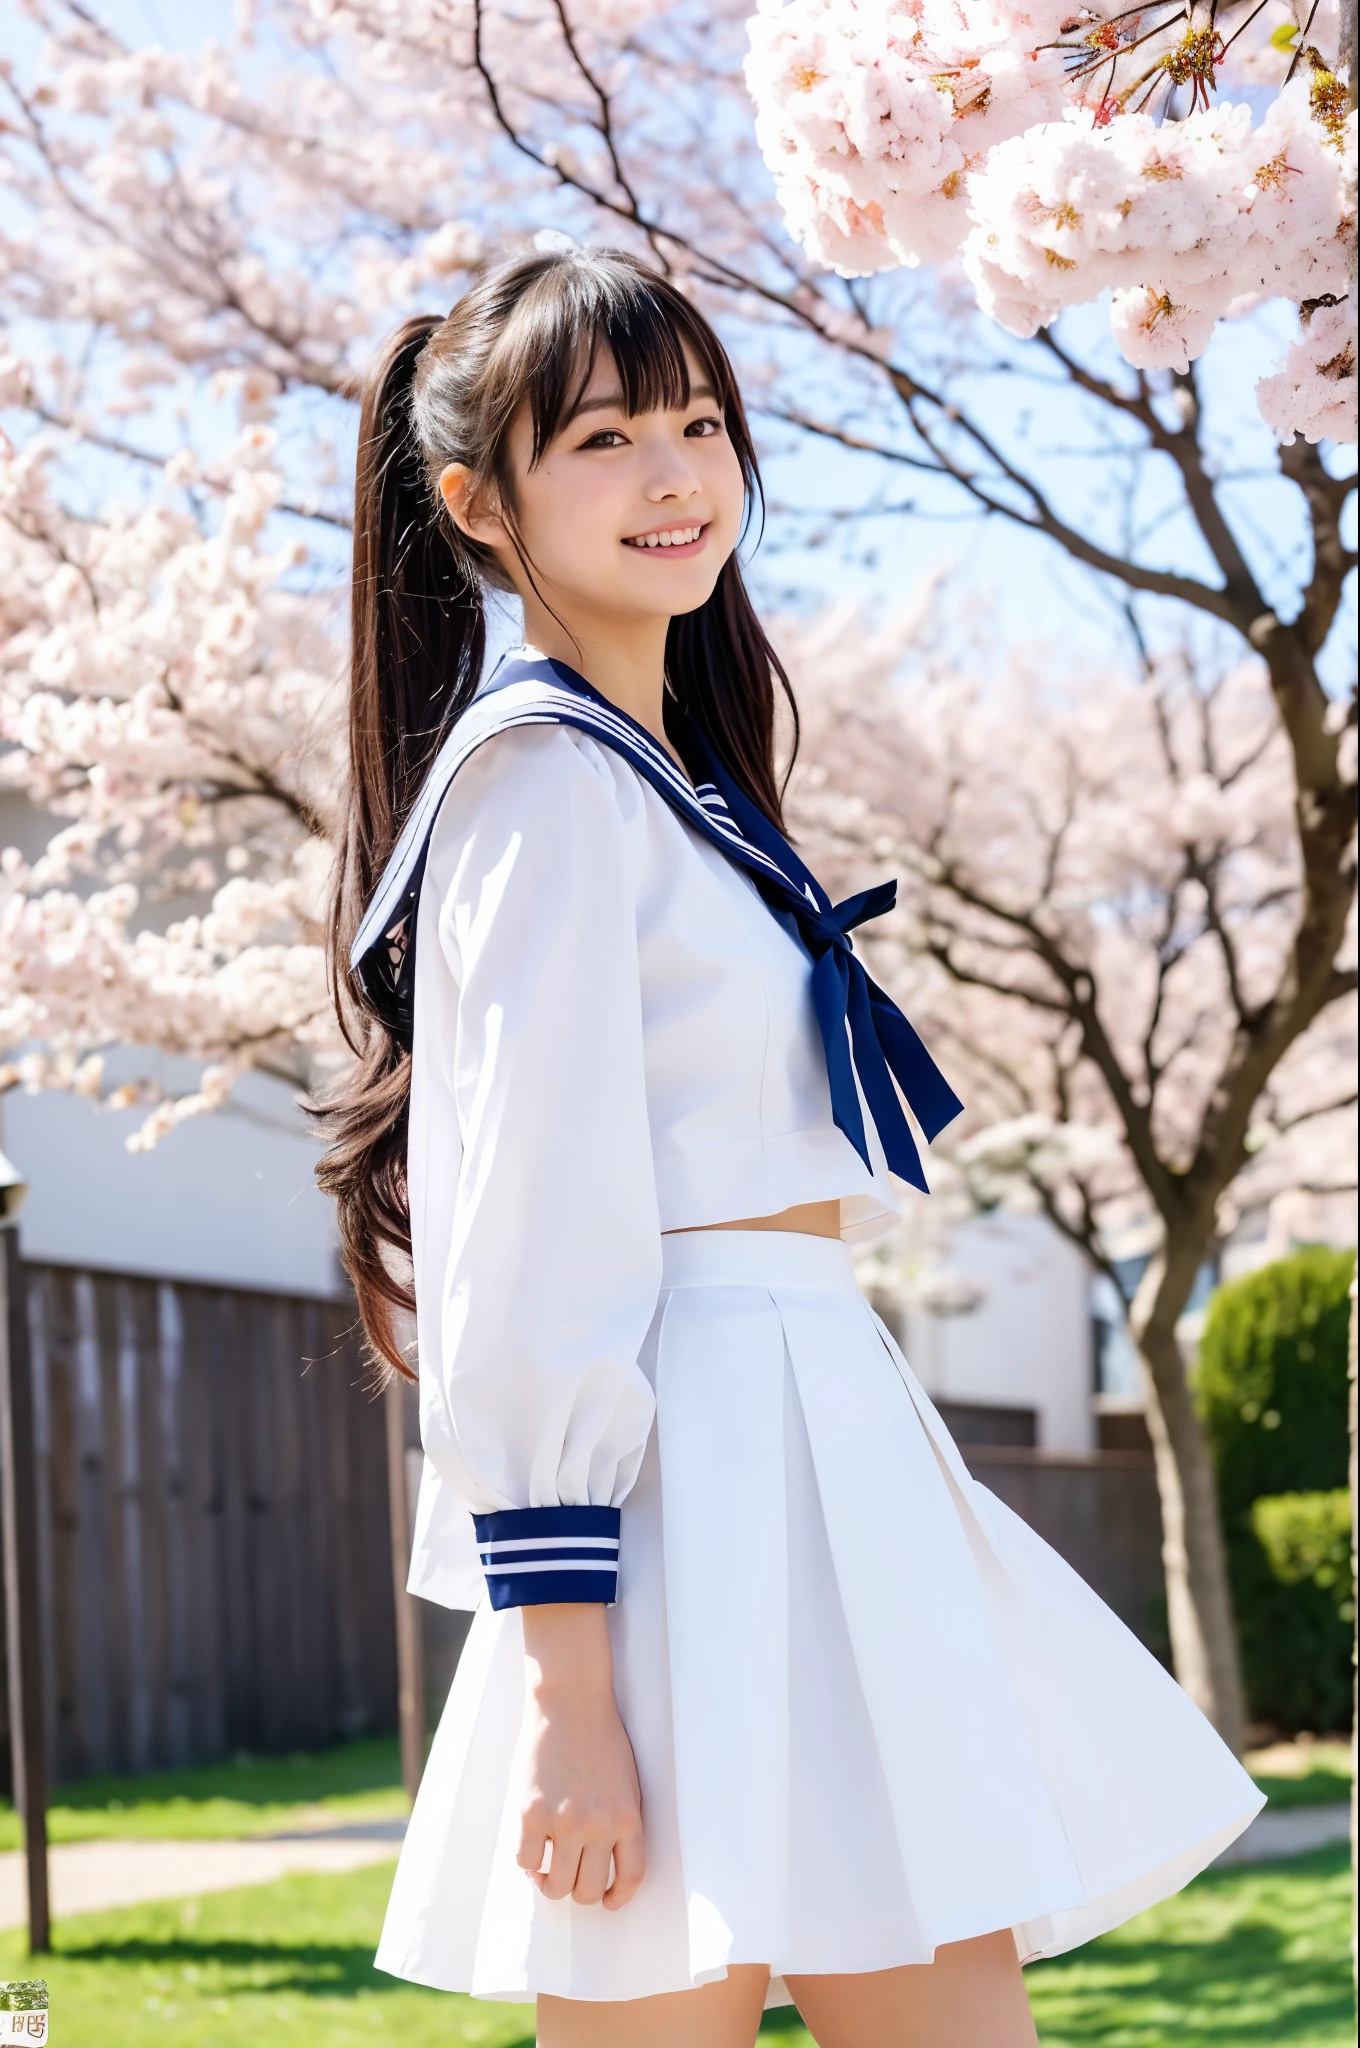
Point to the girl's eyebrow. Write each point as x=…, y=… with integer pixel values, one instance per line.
x=612, y=401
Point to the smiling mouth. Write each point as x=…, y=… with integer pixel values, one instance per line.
x=671, y=538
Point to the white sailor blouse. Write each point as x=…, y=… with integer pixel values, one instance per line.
x=631, y=1010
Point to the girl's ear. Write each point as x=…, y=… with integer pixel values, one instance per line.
x=475, y=517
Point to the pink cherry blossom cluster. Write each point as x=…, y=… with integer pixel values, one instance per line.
x=903, y=131
x=1209, y=215
x=78, y=971
x=1313, y=391
x=872, y=113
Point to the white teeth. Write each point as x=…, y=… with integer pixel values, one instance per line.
x=680, y=537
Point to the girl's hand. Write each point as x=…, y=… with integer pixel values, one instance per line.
x=578, y=1781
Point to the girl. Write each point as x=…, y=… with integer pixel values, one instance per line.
x=768, y=1699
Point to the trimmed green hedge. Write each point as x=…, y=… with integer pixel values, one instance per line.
x=1272, y=1389
x=1308, y=1536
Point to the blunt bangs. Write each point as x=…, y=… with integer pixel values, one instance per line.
x=575, y=310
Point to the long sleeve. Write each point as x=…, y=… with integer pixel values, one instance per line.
x=550, y=1247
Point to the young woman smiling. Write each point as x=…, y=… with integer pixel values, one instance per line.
x=765, y=1698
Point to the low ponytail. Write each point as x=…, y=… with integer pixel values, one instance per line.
x=417, y=641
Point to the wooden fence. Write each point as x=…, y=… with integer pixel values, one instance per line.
x=213, y=1523
x=1099, y=1510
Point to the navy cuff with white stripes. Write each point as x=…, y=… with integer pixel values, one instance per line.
x=532, y=1556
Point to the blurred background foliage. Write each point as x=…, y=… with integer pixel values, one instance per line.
x=1272, y=1390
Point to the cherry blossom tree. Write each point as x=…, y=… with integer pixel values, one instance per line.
x=199, y=245
x=1104, y=926
x=1058, y=154
x=167, y=697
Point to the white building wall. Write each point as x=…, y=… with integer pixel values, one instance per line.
x=229, y=1198
x=1029, y=1343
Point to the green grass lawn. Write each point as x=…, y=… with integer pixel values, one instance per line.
x=244, y=1796
x=1246, y=1958
x=1255, y=1958
x=1303, y=1773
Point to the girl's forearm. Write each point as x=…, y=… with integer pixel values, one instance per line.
x=567, y=1649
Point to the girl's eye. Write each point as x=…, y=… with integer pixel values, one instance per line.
x=608, y=437
x=702, y=429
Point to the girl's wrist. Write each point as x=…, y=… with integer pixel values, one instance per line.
x=567, y=1651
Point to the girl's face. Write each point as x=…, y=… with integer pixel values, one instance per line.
x=622, y=519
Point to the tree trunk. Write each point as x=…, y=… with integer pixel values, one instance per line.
x=1349, y=45
x=1198, y=1602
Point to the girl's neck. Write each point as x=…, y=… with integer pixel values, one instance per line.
x=625, y=663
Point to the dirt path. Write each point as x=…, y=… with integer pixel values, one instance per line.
x=88, y=1877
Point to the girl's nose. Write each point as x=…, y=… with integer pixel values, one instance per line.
x=674, y=479
x=669, y=471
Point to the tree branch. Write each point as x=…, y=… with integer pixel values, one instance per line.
x=1079, y=988
x=1155, y=582
x=1332, y=559
x=129, y=451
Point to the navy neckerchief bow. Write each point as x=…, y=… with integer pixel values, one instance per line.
x=885, y=1048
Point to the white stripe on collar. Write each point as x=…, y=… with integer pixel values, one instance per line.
x=534, y=702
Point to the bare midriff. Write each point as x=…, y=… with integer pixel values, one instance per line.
x=812, y=1219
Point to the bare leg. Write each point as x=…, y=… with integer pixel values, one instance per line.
x=725, y=2015
x=971, y=1996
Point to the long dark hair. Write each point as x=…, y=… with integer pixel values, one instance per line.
x=448, y=390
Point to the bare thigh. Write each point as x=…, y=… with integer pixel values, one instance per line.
x=971, y=1996
x=723, y=2015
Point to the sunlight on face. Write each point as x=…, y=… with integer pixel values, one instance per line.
x=629, y=519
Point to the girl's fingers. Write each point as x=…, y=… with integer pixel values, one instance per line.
x=558, y=1880
x=630, y=1867
x=533, y=1844
x=593, y=1876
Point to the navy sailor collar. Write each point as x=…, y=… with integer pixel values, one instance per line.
x=867, y=1040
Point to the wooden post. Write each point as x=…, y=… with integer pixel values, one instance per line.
x=23, y=1621
x=410, y=1662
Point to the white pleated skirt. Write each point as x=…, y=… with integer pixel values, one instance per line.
x=872, y=1711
